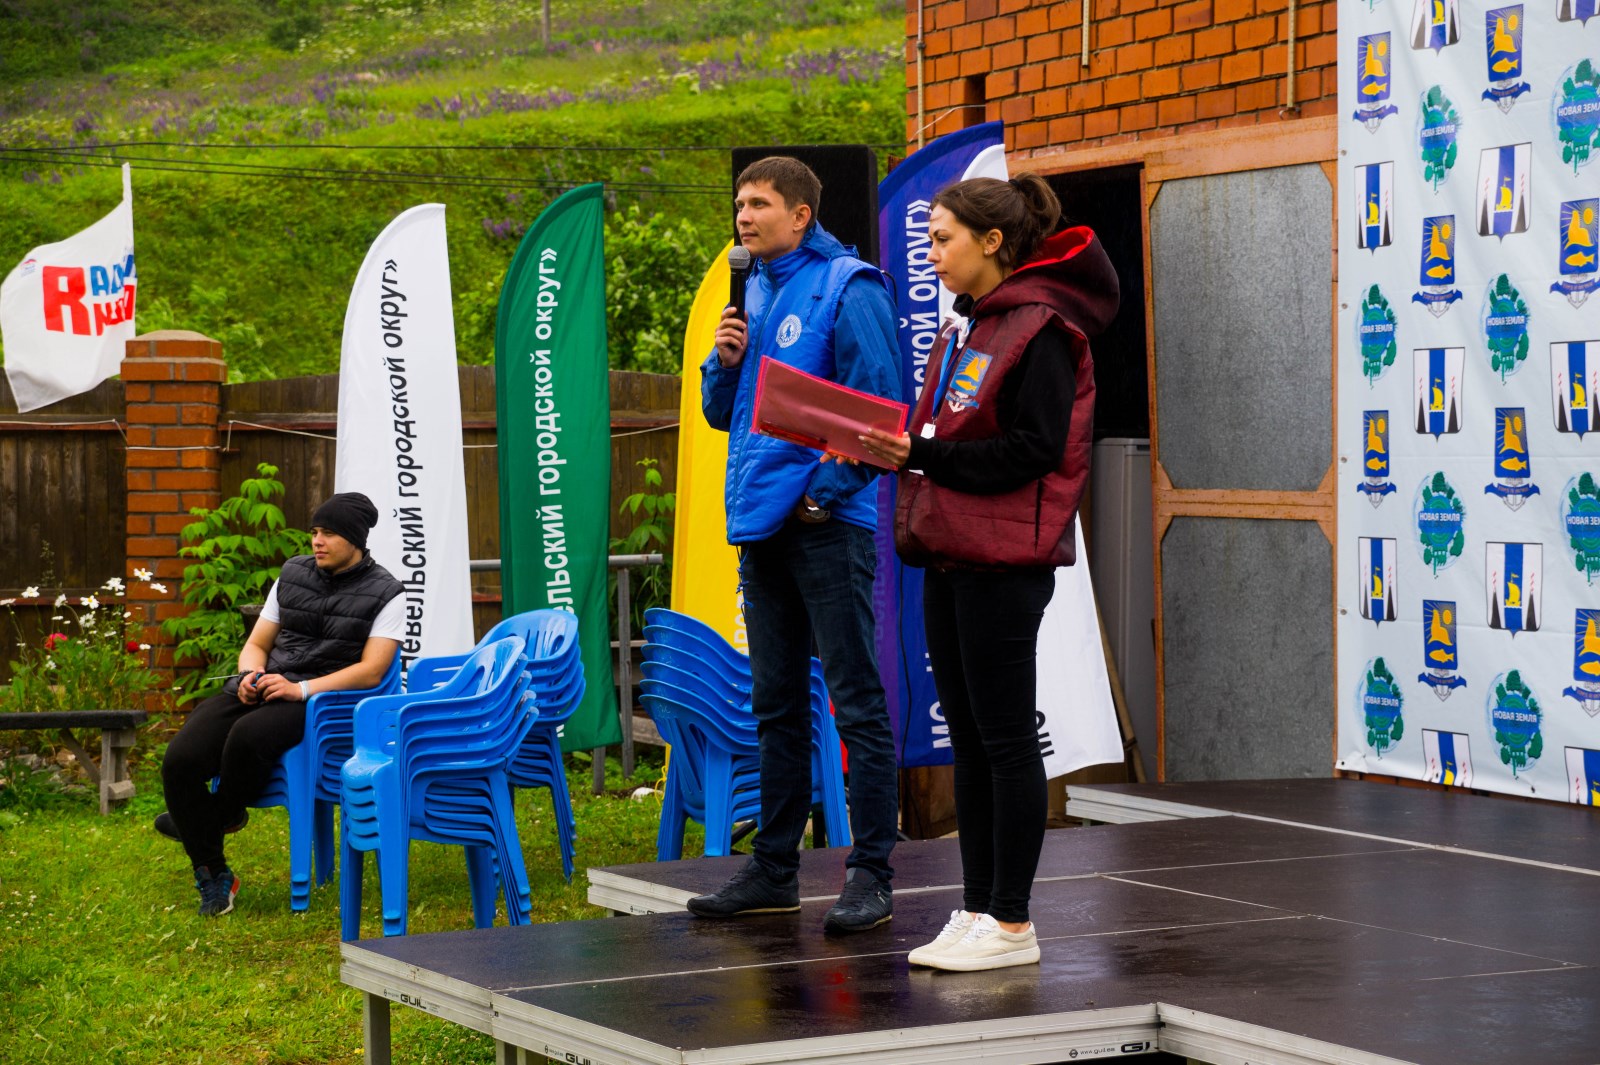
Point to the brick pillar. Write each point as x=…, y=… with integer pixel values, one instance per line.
x=172, y=381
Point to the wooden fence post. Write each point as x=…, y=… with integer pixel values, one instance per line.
x=172, y=381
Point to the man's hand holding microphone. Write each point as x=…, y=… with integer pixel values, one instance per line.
x=732, y=332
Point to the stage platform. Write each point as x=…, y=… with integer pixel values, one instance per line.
x=1562, y=835
x=1230, y=939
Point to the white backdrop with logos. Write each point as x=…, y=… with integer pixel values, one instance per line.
x=1468, y=369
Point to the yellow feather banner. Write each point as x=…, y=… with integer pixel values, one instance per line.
x=705, y=567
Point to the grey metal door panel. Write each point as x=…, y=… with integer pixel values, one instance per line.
x=1242, y=277
x=1248, y=649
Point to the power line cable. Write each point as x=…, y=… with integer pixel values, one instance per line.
x=379, y=177
x=405, y=147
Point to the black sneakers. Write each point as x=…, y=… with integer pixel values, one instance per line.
x=165, y=826
x=216, y=891
x=748, y=891
x=866, y=902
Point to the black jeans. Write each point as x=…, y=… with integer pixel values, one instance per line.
x=805, y=583
x=983, y=630
x=240, y=744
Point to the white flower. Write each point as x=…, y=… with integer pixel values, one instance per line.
x=90, y=601
x=141, y=573
x=6, y=602
x=61, y=600
x=155, y=587
x=49, y=663
x=127, y=613
x=30, y=592
x=144, y=647
x=113, y=585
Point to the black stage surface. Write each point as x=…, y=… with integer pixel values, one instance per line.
x=1553, y=833
x=1227, y=939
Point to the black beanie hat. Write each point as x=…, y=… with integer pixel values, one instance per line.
x=350, y=514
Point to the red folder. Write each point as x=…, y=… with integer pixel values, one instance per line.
x=808, y=410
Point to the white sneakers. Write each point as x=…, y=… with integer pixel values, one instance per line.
x=954, y=931
x=968, y=945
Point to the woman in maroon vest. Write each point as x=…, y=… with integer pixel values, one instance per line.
x=990, y=477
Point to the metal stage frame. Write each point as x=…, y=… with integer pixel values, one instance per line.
x=1311, y=922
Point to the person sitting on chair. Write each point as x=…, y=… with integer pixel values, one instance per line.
x=333, y=621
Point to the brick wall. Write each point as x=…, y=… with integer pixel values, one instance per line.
x=172, y=381
x=1156, y=67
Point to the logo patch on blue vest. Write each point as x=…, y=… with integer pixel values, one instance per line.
x=788, y=330
x=967, y=379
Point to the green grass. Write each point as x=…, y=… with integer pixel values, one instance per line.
x=105, y=959
x=265, y=263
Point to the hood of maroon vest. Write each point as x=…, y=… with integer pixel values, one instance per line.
x=1071, y=274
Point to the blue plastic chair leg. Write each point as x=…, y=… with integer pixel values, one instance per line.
x=350, y=863
x=513, y=871
x=828, y=773
x=566, y=832
x=394, y=872
x=295, y=788
x=719, y=804
x=558, y=789
x=669, y=837
x=481, y=879
x=324, y=848
x=301, y=831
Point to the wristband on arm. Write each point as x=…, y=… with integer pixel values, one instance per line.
x=305, y=692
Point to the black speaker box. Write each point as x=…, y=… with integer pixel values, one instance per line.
x=849, y=176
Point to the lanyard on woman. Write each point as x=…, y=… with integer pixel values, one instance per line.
x=944, y=373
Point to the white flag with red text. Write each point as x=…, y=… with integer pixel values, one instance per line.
x=66, y=310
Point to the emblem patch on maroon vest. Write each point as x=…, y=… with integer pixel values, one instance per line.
x=967, y=379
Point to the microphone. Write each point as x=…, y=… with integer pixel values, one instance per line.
x=739, y=265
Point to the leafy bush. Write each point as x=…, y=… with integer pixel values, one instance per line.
x=649, y=586
x=654, y=264
x=299, y=20
x=239, y=548
x=88, y=662
x=209, y=311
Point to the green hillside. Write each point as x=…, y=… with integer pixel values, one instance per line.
x=272, y=140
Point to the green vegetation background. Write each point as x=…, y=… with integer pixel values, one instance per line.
x=101, y=954
x=365, y=96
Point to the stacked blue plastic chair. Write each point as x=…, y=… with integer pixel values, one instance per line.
x=714, y=774
x=700, y=646
x=306, y=782
x=432, y=765
x=691, y=672
x=555, y=667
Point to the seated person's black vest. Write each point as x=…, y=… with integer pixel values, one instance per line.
x=324, y=621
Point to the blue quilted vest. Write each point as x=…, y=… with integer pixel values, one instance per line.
x=767, y=477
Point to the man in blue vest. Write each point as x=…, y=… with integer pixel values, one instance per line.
x=333, y=621
x=804, y=529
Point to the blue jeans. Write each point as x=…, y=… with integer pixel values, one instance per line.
x=814, y=582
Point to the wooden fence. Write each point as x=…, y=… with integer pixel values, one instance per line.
x=63, y=481
x=62, y=491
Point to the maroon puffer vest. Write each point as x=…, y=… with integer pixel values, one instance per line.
x=1032, y=525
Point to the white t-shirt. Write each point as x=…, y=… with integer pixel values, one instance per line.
x=389, y=625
